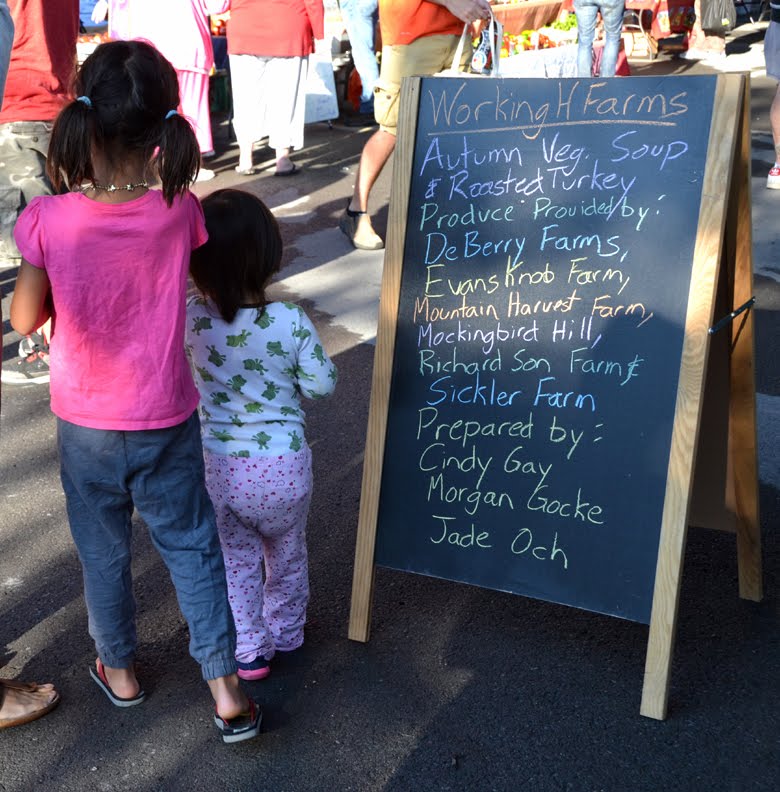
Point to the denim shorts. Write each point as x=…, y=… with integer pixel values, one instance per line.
x=772, y=46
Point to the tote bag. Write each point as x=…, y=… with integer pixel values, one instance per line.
x=718, y=16
x=495, y=34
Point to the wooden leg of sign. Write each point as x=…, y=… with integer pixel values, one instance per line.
x=663, y=622
x=726, y=119
x=363, y=574
x=362, y=580
x=743, y=456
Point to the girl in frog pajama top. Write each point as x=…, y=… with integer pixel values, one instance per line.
x=253, y=360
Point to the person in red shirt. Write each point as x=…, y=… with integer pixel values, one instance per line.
x=418, y=37
x=43, y=61
x=20, y=702
x=269, y=43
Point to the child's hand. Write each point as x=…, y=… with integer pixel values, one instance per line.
x=467, y=10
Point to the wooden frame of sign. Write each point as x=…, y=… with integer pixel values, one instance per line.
x=716, y=385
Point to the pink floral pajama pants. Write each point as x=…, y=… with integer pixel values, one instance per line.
x=262, y=504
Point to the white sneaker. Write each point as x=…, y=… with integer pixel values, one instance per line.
x=715, y=58
x=773, y=178
x=204, y=174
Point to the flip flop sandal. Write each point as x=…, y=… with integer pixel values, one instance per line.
x=29, y=687
x=98, y=673
x=247, y=171
x=243, y=726
x=289, y=172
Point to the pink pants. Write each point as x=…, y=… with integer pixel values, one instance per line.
x=194, y=95
x=262, y=504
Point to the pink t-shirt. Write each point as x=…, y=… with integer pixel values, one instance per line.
x=118, y=276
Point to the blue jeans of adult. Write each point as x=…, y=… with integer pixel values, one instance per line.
x=360, y=17
x=612, y=12
x=161, y=472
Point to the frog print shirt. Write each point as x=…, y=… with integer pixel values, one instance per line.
x=251, y=375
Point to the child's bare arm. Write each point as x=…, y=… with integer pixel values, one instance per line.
x=30, y=307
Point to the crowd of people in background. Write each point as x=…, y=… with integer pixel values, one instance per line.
x=88, y=159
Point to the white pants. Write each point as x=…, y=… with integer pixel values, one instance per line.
x=269, y=99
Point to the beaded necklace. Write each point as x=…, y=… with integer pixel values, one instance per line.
x=110, y=188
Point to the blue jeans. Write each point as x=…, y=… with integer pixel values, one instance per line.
x=159, y=471
x=360, y=18
x=612, y=15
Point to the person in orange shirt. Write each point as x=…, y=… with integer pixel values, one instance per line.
x=418, y=37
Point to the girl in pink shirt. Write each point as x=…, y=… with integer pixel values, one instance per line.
x=108, y=262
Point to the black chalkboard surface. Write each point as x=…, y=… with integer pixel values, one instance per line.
x=546, y=269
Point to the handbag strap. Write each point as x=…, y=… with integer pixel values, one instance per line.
x=459, y=50
x=494, y=55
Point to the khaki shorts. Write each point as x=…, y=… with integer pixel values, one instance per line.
x=425, y=56
x=23, y=148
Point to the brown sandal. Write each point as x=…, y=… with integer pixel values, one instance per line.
x=28, y=687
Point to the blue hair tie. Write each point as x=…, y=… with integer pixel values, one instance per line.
x=170, y=114
x=85, y=100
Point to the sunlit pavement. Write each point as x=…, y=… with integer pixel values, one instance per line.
x=458, y=688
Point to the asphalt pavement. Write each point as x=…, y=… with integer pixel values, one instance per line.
x=458, y=688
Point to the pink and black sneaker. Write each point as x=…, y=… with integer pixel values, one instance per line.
x=259, y=668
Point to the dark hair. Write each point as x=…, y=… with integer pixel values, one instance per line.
x=243, y=252
x=126, y=90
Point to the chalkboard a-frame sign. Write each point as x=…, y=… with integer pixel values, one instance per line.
x=557, y=250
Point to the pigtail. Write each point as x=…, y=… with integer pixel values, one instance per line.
x=69, y=162
x=178, y=158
